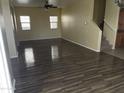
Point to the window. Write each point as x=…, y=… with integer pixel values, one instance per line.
x=53, y=22
x=25, y=22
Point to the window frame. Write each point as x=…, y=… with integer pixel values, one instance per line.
x=25, y=22
x=53, y=22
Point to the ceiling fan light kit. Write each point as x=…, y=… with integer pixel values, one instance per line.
x=47, y=5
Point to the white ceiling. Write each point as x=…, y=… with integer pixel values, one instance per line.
x=37, y=3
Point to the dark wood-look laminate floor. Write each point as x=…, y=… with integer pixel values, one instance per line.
x=118, y=52
x=58, y=66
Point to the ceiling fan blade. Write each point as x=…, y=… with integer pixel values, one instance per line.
x=47, y=5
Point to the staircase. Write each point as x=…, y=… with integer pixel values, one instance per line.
x=105, y=44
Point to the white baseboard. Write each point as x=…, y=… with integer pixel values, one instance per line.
x=81, y=45
x=113, y=47
x=62, y=38
x=14, y=83
x=13, y=57
x=39, y=39
x=9, y=90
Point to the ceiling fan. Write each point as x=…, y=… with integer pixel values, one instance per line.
x=46, y=4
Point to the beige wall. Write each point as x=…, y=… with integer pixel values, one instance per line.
x=78, y=25
x=111, y=22
x=40, y=27
x=99, y=11
x=8, y=27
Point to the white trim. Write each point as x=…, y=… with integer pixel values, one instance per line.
x=12, y=57
x=14, y=85
x=115, y=30
x=15, y=56
x=109, y=25
x=64, y=39
x=40, y=38
x=114, y=46
x=81, y=45
x=115, y=37
x=100, y=41
x=10, y=90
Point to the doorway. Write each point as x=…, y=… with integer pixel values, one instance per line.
x=99, y=13
x=98, y=18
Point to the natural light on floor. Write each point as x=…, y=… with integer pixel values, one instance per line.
x=54, y=52
x=29, y=57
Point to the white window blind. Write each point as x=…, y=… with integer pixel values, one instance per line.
x=25, y=22
x=53, y=22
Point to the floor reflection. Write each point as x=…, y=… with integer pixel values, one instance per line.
x=54, y=52
x=29, y=57
x=63, y=67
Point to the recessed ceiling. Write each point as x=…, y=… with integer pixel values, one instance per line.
x=35, y=3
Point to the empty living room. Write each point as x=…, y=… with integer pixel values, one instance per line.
x=61, y=46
